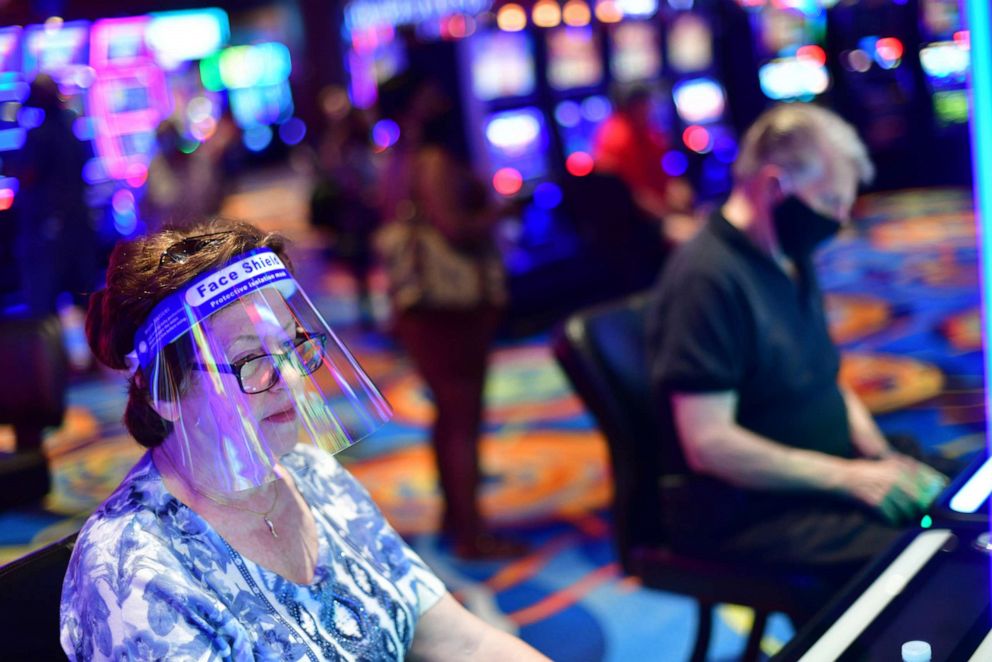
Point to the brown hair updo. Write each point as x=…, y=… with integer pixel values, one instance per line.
x=136, y=283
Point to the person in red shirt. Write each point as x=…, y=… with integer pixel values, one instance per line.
x=630, y=146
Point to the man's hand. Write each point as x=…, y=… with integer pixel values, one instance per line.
x=897, y=486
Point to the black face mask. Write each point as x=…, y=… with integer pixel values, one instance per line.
x=800, y=228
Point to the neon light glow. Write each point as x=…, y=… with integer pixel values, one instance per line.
x=697, y=139
x=181, y=36
x=363, y=14
x=699, y=100
x=8, y=191
x=980, y=24
x=129, y=98
x=507, y=181
x=579, y=164
x=511, y=18
x=576, y=13
x=59, y=51
x=502, y=65
x=792, y=78
x=546, y=13
x=945, y=60
x=974, y=492
x=513, y=132
x=638, y=8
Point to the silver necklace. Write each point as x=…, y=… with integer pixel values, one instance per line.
x=263, y=514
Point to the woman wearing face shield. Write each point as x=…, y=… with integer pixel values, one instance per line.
x=238, y=535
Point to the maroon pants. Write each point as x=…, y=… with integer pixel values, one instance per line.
x=450, y=350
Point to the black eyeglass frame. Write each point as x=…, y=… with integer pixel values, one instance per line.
x=190, y=246
x=278, y=361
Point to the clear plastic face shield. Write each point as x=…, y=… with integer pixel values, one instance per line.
x=245, y=368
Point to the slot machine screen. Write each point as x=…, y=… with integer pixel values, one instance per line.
x=699, y=100
x=502, y=65
x=8, y=50
x=125, y=98
x=690, y=44
x=57, y=52
x=519, y=139
x=792, y=78
x=636, y=55
x=574, y=59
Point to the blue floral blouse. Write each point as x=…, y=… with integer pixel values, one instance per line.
x=150, y=579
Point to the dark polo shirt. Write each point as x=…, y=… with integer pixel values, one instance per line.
x=725, y=317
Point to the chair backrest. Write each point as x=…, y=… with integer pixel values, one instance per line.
x=33, y=350
x=603, y=352
x=30, y=595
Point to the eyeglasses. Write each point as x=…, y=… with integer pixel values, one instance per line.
x=259, y=373
x=180, y=251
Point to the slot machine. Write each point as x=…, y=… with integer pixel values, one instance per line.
x=703, y=118
x=877, y=87
x=945, y=58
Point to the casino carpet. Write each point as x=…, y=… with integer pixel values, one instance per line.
x=902, y=300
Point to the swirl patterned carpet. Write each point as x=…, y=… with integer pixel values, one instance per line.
x=903, y=305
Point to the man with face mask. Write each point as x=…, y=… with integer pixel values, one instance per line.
x=782, y=464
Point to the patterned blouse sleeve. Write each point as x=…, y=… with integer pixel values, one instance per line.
x=408, y=570
x=133, y=600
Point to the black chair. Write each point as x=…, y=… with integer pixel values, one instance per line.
x=30, y=594
x=32, y=397
x=602, y=351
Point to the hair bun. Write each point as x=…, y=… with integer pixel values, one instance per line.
x=100, y=334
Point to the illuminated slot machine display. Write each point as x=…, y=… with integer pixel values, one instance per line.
x=945, y=55
x=576, y=75
x=13, y=91
x=128, y=99
x=513, y=128
x=376, y=55
x=256, y=78
x=700, y=101
x=179, y=41
x=876, y=86
x=788, y=35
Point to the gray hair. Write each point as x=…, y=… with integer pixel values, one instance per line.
x=792, y=136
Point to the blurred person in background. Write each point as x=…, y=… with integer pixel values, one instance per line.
x=57, y=241
x=630, y=145
x=447, y=289
x=344, y=203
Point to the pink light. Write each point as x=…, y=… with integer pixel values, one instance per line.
x=6, y=198
x=696, y=138
x=889, y=48
x=812, y=52
x=963, y=39
x=579, y=164
x=507, y=181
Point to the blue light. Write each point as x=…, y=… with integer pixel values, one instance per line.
x=978, y=20
x=30, y=118
x=125, y=223
x=547, y=195
x=292, y=131
x=675, y=163
x=596, y=108
x=974, y=492
x=11, y=139
x=385, y=133
x=567, y=114
x=725, y=149
x=257, y=137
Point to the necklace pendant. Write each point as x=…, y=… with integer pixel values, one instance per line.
x=272, y=528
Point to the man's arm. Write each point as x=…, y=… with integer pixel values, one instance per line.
x=714, y=444
x=447, y=632
x=865, y=435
